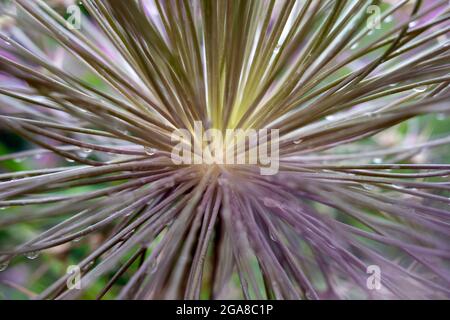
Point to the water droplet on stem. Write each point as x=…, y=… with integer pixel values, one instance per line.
x=273, y=237
x=4, y=265
x=154, y=266
x=149, y=151
x=420, y=89
x=377, y=160
x=32, y=255
x=369, y=187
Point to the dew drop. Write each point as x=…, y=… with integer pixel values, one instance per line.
x=70, y=160
x=149, y=151
x=370, y=33
x=4, y=265
x=273, y=237
x=298, y=141
x=412, y=24
x=170, y=222
x=389, y=19
x=377, y=160
x=154, y=266
x=331, y=246
x=420, y=89
x=309, y=295
x=77, y=239
x=82, y=154
x=330, y=118
x=32, y=255
x=369, y=187
x=353, y=47
x=87, y=150
x=128, y=213
x=277, y=49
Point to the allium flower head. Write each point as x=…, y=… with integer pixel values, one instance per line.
x=358, y=206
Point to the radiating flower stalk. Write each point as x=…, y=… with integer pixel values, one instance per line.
x=313, y=69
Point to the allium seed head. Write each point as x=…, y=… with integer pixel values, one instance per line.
x=227, y=149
